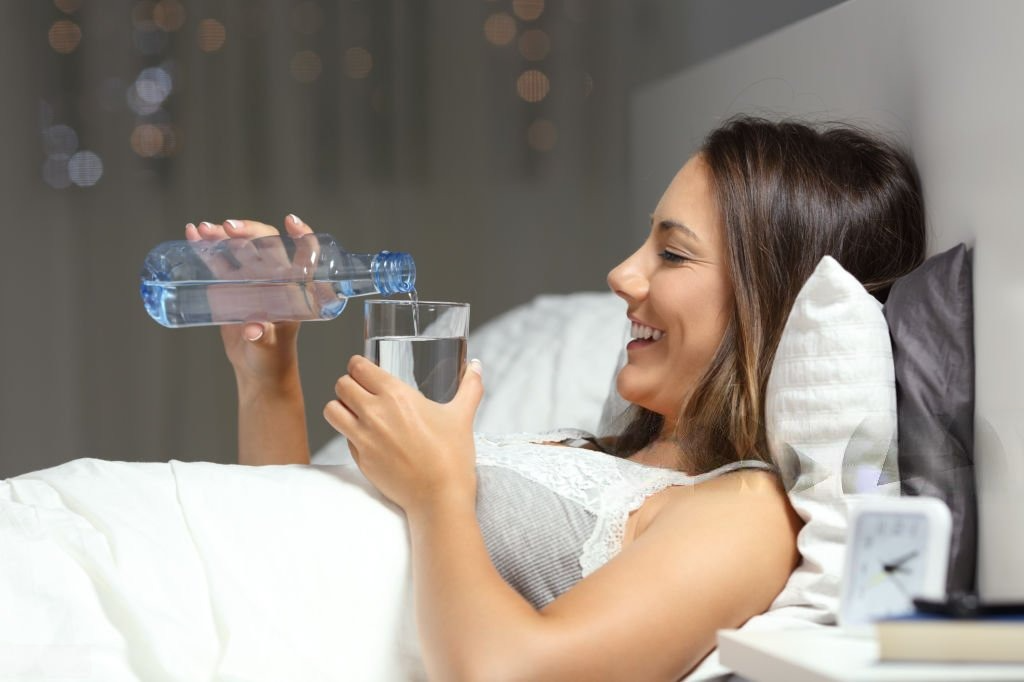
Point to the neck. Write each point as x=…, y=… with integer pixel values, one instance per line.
x=664, y=453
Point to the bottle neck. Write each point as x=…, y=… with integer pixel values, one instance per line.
x=393, y=273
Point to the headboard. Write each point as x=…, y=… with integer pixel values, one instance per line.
x=941, y=75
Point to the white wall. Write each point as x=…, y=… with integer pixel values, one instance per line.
x=944, y=75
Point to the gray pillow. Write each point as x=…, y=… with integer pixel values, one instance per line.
x=930, y=314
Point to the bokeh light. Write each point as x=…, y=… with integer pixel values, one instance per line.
x=169, y=15
x=500, y=29
x=155, y=140
x=307, y=18
x=64, y=36
x=153, y=85
x=533, y=85
x=85, y=168
x=305, y=66
x=147, y=140
x=358, y=62
x=542, y=135
x=528, y=10
x=534, y=45
x=137, y=104
x=211, y=35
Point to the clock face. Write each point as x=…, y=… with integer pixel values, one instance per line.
x=898, y=549
x=888, y=565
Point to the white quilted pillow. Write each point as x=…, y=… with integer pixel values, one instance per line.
x=830, y=414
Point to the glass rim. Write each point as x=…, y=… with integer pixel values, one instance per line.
x=398, y=301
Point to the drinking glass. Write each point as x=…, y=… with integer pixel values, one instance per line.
x=423, y=343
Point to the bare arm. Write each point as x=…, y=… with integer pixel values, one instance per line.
x=271, y=410
x=272, y=422
x=707, y=561
x=712, y=556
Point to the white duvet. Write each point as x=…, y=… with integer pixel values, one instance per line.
x=193, y=571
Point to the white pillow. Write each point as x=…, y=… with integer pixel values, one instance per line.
x=548, y=363
x=830, y=416
x=830, y=413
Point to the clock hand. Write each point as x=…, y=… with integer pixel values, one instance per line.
x=900, y=586
x=895, y=565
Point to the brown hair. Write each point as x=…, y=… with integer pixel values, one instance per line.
x=789, y=194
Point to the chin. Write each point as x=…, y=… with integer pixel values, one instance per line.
x=632, y=393
x=631, y=388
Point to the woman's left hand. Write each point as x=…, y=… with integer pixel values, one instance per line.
x=415, y=451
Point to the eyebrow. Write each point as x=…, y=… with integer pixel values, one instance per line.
x=667, y=224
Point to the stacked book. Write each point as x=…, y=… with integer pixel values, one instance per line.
x=993, y=636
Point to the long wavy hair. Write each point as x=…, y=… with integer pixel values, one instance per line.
x=789, y=193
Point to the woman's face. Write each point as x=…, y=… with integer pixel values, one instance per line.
x=679, y=293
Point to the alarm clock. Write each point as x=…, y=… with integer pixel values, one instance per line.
x=897, y=550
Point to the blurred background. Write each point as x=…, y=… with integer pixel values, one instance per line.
x=489, y=138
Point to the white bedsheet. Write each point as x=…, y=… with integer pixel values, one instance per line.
x=193, y=571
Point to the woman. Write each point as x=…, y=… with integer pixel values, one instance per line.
x=704, y=537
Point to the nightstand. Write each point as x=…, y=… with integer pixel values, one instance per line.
x=835, y=655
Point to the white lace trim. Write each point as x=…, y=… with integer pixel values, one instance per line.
x=610, y=488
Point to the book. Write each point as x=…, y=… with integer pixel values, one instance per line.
x=926, y=637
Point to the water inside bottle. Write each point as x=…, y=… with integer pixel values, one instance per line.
x=432, y=365
x=192, y=303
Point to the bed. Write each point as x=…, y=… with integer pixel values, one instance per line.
x=188, y=571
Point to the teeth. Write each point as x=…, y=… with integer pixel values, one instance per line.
x=642, y=331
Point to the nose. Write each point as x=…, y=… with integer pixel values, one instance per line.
x=628, y=279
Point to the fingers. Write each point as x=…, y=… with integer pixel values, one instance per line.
x=471, y=389
x=211, y=232
x=234, y=227
x=254, y=331
x=350, y=392
x=343, y=420
x=371, y=377
x=307, y=247
x=247, y=228
x=294, y=226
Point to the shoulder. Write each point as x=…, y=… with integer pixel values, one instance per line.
x=744, y=502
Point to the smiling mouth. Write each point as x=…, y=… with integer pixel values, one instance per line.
x=641, y=332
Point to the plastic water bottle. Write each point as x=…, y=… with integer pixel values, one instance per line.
x=264, y=279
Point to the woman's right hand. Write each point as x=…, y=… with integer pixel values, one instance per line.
x=262, y=353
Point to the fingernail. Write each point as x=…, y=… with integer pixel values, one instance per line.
x=234, y=224
x=477, y=366
x=206, y=225
x=257, y=336
x=190, y=225
x=295, y=219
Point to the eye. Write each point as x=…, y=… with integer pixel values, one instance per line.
x=671, y=257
